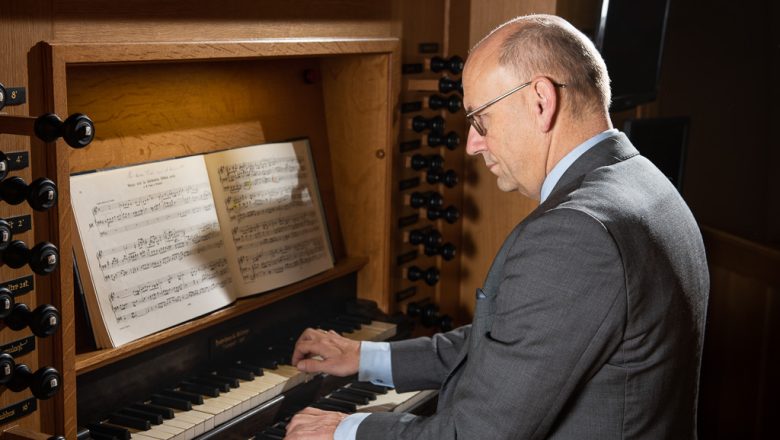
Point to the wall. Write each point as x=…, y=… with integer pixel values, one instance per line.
x=717, y=70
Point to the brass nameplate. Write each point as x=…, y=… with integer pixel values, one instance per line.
x=227, y=342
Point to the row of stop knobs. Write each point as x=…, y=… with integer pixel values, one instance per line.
x=430, y=316
x=43, y=383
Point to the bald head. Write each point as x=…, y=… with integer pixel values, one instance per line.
x=547, y=45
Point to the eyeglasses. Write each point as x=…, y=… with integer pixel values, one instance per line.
x=473, y=116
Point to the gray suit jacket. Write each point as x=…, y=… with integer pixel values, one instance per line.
x=590, y=323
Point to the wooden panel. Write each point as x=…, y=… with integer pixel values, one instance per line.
x=739, y=381
x=357, y=92
x=171, y=20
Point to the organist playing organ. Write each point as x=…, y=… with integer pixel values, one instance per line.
x=591, y=320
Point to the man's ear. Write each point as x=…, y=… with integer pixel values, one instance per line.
x=545, y=102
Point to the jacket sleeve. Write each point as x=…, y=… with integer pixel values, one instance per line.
x=558, y=314
x=423, y=363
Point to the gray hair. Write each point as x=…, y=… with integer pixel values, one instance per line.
x=550, y=46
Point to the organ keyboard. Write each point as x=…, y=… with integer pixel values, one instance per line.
x=246, y=395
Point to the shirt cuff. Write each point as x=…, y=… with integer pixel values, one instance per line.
x=347, y=429
x=375, y=363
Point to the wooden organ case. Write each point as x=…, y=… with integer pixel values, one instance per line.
x=161, y=100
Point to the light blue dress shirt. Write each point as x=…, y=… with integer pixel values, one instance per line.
x=375, y=357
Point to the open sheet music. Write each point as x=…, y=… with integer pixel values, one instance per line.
x=164, y=242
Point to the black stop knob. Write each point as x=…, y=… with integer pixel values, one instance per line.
x=43, y=321
x=452, y=103
x=413, y=309
x=420, y=123
x=417, y=236
x=450, y=178
x=7, y=365
x=6, y=302
x=434, y=200
x=4, y=167
x=6, y=234
x=437, y=175
x=447, y=85
x=44, y=258
x=44, y=383
x=452, y=140
x=445, y=323
x=419, y=162
x=430, y=275
x=451, y=214
x=14, y=190
x=418, y=199
x=414, y=273
x=77, y=130
x=16, y=254
x=428, y=315
x=448, y=251
x=454, y=64
x=42, y=194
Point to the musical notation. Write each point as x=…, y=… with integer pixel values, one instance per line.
x=124, y=215
x=277, y=260
x=136, y=301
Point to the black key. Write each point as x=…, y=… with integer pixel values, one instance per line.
x=268, y=436
x=356, y=392
x=171, y=402
x=130, y=422
x=109, y=430
x=326, y=407
x=359, y=318
x=275, y=431
x=206, y=390
x=207, y=380
x=267, y=363
x=154, y=419
x=166, y=413
x=196, y=399
x=346, y=406
x=255, y=369
x=100, y=436
x=368, y=386
x=350, y=320
x=237, y=373
x=358, y=400
x=232, y=381
x=281, y=424
x=339, y=328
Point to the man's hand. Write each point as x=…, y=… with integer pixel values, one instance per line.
x=339, y=356
x=313, y=424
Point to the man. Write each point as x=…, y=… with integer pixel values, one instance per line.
x=591, y=320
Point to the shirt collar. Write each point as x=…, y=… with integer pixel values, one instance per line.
x=565, y=163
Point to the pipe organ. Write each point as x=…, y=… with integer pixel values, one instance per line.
x=379, y=96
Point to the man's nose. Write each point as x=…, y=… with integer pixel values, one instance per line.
x=475, y=143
